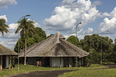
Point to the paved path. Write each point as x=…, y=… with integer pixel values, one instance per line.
x=43, y=73
x=111, y=66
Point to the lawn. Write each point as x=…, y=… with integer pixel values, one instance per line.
x=29, y=68
x=91, y=72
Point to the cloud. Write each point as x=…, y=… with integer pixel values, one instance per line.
x=67, y=15
x=35, y=23
x=9, y=43
x=5, y=3
x=81, y=37
x=95, y=3
x=9, y=40
x=3, y=17
x=90, y=30
x=105, y=14
x=11, y=34
x=109, y=23
x=12, y=28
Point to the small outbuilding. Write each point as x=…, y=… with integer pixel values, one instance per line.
x=6, y=57
x=55, y=51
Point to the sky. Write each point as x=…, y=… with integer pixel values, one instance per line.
x=96, y=16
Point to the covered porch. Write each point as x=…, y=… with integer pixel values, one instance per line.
x=54, y=61
x=6, y=61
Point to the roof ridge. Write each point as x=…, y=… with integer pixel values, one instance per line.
x=58, y=37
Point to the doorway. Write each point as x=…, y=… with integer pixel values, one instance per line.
x=4, y=61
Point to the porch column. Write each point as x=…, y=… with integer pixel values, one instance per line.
x=42, y=61
x=60, y=62
x=0, y=62
x=9, y=63
x=69, y=61
x=50, y=61
x=12, y=61
x=82, y=61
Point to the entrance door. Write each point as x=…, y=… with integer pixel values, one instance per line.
x=3, y=61
x=65, y=62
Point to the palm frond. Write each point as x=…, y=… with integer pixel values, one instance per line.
x=3, y=27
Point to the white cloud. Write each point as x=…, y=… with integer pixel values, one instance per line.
x=11, y=34
x=105, y=14
x=3, y=17
x=9, y=43
x=35, y=23
x=81, y=37
x=5, y=3
x=13, y=26
x=90, y=30
x=109, y=23
x=96, y=3
x=67, y=15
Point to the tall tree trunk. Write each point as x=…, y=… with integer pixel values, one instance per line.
x=25, y=50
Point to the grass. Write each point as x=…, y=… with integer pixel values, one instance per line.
x=29, y=68
x=91, y=72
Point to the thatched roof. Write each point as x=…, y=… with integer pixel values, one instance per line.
x=6, y=51
x=54, y=46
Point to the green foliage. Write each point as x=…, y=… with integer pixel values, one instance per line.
x=38, y=36
x=93, y=57
x=93, y=44
x=21, y=45
x=30, y=42
x=72, y=39
x=3, y=27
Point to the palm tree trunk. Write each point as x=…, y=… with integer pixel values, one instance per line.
x=25, y=50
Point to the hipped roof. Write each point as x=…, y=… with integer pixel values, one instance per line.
x=6, y=51
x=54, y=46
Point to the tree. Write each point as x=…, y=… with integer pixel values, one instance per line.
x=95, y=42
x=3, y=27
x=38, y=36
x=26, y=26
x=72, y=39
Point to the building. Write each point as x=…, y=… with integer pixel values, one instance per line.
x=6, y=57
x=55, y=51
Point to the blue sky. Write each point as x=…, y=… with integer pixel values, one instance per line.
x=96, y=16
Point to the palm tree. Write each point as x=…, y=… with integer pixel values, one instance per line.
x=26, y=26
x=3, y=27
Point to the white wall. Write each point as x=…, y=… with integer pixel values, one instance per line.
x=55, y=62
x=7, y=61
